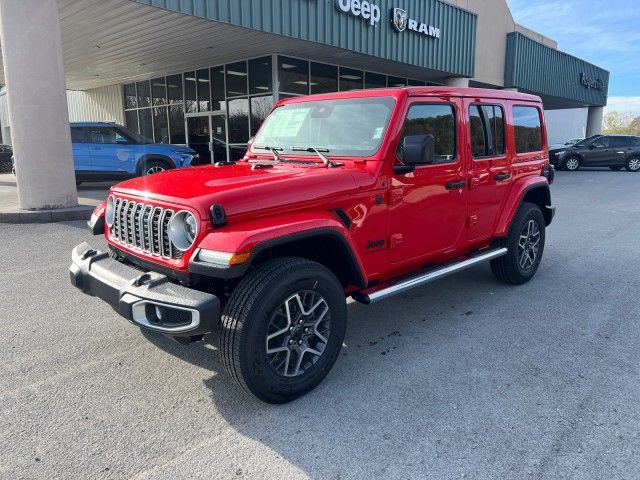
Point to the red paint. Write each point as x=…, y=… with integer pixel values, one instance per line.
x=419, y=220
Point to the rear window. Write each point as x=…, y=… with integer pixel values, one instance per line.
x=528, y=129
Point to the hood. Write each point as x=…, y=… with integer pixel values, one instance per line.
x=239, y=189
x=164, y=147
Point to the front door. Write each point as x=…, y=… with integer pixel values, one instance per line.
x=490, y=168
x=207, y=135
x=600, y=153
x=428, y=206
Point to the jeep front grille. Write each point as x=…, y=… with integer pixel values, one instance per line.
x=143, y=227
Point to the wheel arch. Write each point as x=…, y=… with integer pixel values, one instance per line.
x=534, y=191
x=148, y=157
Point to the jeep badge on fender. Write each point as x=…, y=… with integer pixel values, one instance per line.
x=265, y=250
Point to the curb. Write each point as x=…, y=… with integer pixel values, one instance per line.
x=82, y=212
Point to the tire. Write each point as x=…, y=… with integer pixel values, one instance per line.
x=150, y=167
x=572, y=164
x=633, y=164
x=257, y=309
x=615, y=169
x=508, y=268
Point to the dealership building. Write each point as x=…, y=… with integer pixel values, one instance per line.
x=206, y=72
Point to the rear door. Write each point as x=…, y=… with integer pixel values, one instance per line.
x=622, y=147
x=490, y=169
x=80, y=147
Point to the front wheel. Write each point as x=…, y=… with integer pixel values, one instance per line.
x=633, y=164
x=572, y=164
x=153, y=166
x=282, y=328
x=525, y=244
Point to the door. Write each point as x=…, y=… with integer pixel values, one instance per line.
x=427, y=207
x=207, y=135
x=622, y=147
x=111, y=150
x=490, y=168
x=80, y=148
x=600, y=152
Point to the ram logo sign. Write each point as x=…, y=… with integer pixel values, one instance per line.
x=401, y=21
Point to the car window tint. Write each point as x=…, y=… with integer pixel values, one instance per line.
x=621, y=142
x=528, y=129
x=487, y=130
x=602, y=142
x=77, y=135
x=106, y=136
x=437, y=120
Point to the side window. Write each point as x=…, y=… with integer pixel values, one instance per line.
x=437, y=120
x=621, y=142
x=487, y=130
x=77, y=135
x=528, y=129
x=107, y=136
x=602, y=142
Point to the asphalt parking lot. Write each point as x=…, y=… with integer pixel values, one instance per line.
x=462, y=378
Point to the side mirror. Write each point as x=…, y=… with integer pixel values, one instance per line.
x=416, y=150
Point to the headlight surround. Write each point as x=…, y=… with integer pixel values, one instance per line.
x=183, y=230
x=109, y=211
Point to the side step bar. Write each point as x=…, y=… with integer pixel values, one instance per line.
x=424, y=278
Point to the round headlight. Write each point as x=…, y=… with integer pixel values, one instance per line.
x=108, y=213
x=183, y=229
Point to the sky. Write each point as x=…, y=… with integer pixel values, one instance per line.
x=604, y=33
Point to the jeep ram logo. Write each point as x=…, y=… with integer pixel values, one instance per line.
x=589, y=83
x=360, y=8
x=399, y=19
x=374, y=244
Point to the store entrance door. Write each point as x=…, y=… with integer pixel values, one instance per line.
x=207, y=135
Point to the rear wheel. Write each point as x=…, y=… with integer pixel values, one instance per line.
x=572, y=164
x=282, y=328
x=525, y=244
x=633, y=164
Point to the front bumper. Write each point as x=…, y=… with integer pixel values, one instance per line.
x=147, y=299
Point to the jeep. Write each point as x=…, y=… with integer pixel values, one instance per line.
x=362, y=194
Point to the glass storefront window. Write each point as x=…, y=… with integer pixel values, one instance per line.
x=324, y=78
x=396, y=81
x=416, y=83
x=190, y=92
x=160, y=125
x=146, y=127
x=238, y=118
x=144, y=94
x=260, y=108
x=374, y=80
x=159, y=91
x=260, y=78
x=176, y=125
x=174, y=89
x=236, y=79
x=130, y=96
x=131, y=119
x=217, y=88
x=204, y=90
x=293, y=75
x=350, y=79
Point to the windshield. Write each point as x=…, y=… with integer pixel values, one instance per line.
x=587, y=141
x=134, y=136
x=343, y=127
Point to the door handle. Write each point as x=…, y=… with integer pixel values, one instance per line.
x=502, y=176
x=456, y=185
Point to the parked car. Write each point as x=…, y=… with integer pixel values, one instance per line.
x=6, y=164
x=613, y=151
x=107, y=151
x=365, y=194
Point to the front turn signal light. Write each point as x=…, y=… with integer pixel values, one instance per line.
x=222, y=259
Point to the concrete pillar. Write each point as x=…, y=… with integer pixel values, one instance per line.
x=594, y=120
x=457, y=82
x=37, y=103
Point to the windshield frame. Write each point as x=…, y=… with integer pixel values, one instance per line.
x=289, y=150
x=137, y=138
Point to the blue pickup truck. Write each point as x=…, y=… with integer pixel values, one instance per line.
x=107, y=151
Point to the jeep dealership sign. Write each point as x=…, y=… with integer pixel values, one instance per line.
x=400, y=19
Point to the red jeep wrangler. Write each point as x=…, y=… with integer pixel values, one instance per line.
x=363, y=194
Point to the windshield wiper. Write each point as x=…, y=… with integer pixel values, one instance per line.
x=273, y=150
x=318, y=151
